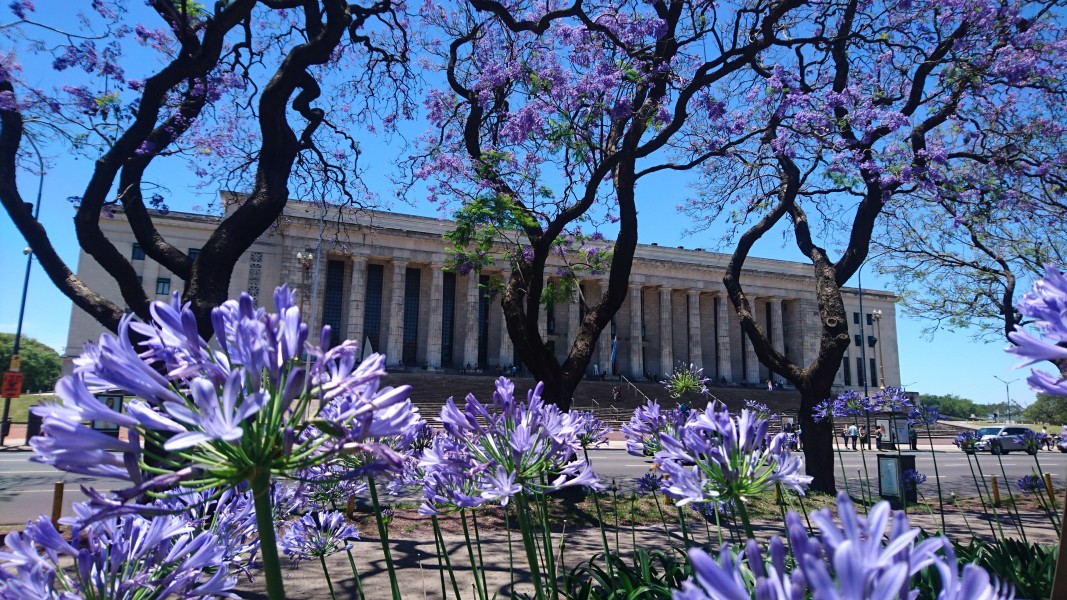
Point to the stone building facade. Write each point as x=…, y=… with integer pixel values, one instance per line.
x=380, y=279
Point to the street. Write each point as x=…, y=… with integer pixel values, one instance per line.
x=26, y=487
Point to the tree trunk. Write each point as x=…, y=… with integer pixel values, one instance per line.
x=818, y=438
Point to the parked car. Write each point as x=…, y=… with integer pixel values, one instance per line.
x=1061, y=443
x=1000, y=440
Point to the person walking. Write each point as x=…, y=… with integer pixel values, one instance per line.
x=878, y=433
x=913, y=438
x=854, y=434
x=865, y=439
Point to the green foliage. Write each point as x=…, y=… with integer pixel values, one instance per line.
x=41, y=365
x=1028, y=567
x=1047, y=409
x=951, y=405
x=653, y=574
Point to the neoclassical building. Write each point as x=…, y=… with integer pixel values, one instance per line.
x=380, y=278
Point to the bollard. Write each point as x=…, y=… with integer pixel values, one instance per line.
x=1051, y=490
x=996, y=491
x=57, y=503
x=351, y=507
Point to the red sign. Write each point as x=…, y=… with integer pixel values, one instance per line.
x=12, y=385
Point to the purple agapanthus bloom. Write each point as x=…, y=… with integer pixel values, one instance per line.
x=912, y=478
x=1046, y=304
x=924, y=415
x=857, y=559
x=649, y=483
x=715, y=453
x=1031, y=484
x=317, y=535
x=490, y=452
x=124, y=555
x=965, y=440
x=647, y=422
x=1032, y=441
x=591, y=431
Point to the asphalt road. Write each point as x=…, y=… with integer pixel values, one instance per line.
x=26, y=487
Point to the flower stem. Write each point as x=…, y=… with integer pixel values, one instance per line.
x=937, y=476
x=603, y=534
x=481, y=559
x=268, y=544
x=355, y=574
x=384, y=535
x=470, y=553
x=326, y=572
x=982, y=498
x=442, y=550
x=528, y=541
x=1011, y=496
x=743, y=513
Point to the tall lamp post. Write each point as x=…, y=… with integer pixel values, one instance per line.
x=877, y=314
x=1007, y=395
x=305, y=259
x=15, y=363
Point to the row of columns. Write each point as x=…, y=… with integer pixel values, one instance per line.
x=505, y=351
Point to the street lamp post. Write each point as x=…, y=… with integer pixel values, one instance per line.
x=877, y=314
x=15, y=361
x=1007, y=396
x=305, y=259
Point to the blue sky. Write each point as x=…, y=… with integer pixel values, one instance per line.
x=948, y=363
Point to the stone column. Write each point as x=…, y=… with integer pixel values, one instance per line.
x=751, y=362
x=573, y=318
x=433, y=337
x=395, y=343
x=542, y=316
x=604, y=345
x=357, y=302
x=470, y=344
x=723, y=333
x=666, y=352
x=507, y=348
x=696, y=356
x=776, y=326
x=636, y=368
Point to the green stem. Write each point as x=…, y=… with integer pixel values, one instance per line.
x=384, y=535
x=1014, y=506
x=268, y=543
x=681, y=523
x=937, y=476
x=662, y=519
x=442, y=550
x=603, y=534
x=633, y=522
x=615, y=509
x=511, y=550
x=1048, y=493
x=481, y=558
x=743, y=513
x=355, y=574
x=526, y=529
x=550, y=549
x=985, y=509
x=964, y=514
x=470, y=554
x=326, y=572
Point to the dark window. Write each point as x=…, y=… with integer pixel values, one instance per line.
x=193, y=253
x=855, y=318
x=848, y=371
x=870, y=319
x=448, y=318
x=862, y=380
x=859, y=340
x=333, y=300
x=163, y=285
x=550, y=318
x=411, y=315
x=372, y=316
x=138, y=252
x=874, y=371
x=483, y=320
x=140, y=279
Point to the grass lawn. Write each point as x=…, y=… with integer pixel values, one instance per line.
x=20, y=407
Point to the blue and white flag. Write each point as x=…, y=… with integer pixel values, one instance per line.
x=614, y=344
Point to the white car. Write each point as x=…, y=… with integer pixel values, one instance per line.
x=1000, y=440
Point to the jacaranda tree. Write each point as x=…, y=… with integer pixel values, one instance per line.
x=232, y=87
x=868, y=105
x=551, y=117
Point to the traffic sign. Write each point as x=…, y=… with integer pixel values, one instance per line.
x=12, y=387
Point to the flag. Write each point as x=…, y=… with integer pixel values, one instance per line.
x=614, y=345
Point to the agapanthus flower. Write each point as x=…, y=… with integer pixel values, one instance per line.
x=1032, y=441
x=647, y=422
x=222, y=411
x=1046, y=304
x=317, y=535
x=649, y=483
x=591, y=431
x=490, y=452
x=1031, y=484
x=761, y=410
x=912, y=478
x=128, y=556
x=685, y=382
x=857, y=560
x=965, y=440
x=715, y=453
x=891, y=400
x=924, y=415
x=846, y=405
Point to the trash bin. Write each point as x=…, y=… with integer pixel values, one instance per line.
x=33, y=426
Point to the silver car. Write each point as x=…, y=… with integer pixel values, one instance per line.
x=1000, y=440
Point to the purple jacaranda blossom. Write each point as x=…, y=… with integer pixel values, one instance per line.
x=715, y=453
x=124, y=555
x=317, y=535
x=494, y=451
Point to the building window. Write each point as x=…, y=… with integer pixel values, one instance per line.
x=855, y=318
x=333, y=299
x=448, y=318
x=372, y=317
x=862, y=379
x=193, y=253
x=138, y=252
x=163, y=285
x=859, y=340
x=847, y=367
x=412, y=285
x=870, y=319
x=874, y=371
x=550, y=319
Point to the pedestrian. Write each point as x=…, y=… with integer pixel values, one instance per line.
x=800, y=438
x=878, y=433
x=865, y=440
x=913, y=438
x=854, y=434
x=770, y=385
x=596, y=369
x=844, y=436
x=616, y=394
x=1046, y=437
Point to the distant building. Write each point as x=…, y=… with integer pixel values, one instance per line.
x=384, y=284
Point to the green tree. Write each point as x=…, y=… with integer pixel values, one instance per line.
x=952, y=405
x=41, y=364
x=1047, y=409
